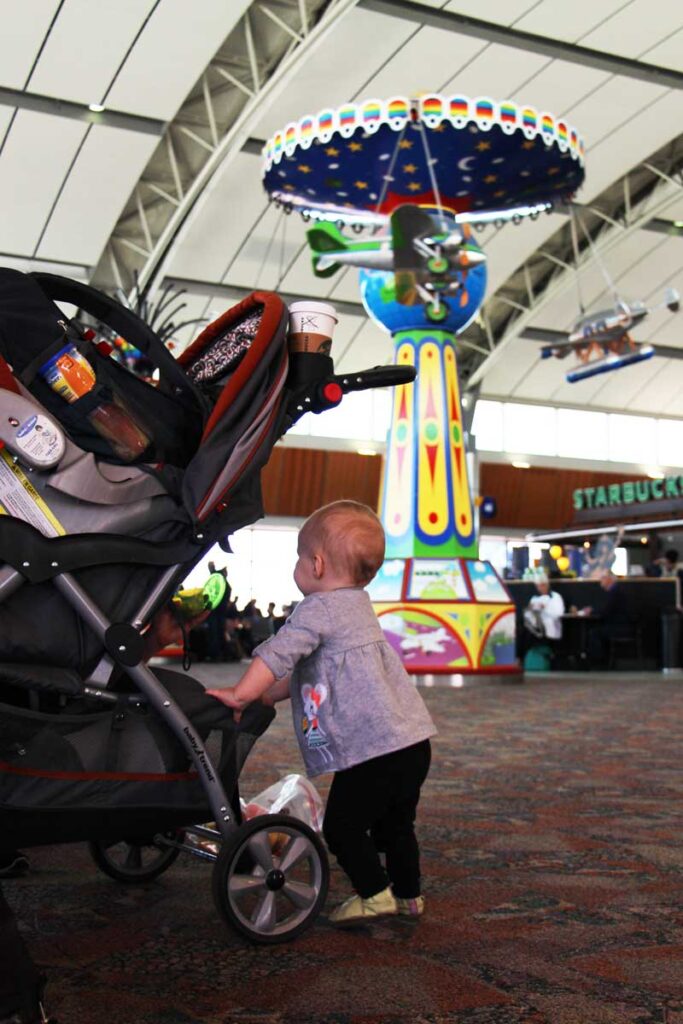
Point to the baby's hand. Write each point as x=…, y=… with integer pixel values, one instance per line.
x=227, y=696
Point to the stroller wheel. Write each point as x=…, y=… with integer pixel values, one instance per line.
x=134, y=860
x=270, y=881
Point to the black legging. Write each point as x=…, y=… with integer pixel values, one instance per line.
x=371, y=810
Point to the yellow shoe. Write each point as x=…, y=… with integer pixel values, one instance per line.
x=357, y=909
x=414, y=907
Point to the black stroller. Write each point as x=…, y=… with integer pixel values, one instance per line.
x=104, y=516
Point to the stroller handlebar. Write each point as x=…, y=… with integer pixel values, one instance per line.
x=376, y=377
x=322, y=392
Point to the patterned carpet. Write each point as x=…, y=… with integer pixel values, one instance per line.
x=551, y=832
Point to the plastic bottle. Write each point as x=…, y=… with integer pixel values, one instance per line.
x=71, y=376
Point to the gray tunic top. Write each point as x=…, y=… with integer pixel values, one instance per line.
x=352, y=700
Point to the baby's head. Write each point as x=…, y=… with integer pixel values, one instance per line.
x=340, y=545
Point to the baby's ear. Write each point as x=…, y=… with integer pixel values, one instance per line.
x=318, y=566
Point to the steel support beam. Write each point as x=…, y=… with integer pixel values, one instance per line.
x=555, y=49
x=264, y=50
x=238, y=291
x=80, y=112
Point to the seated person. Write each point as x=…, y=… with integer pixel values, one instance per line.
x=615, y=620
x=542, y=619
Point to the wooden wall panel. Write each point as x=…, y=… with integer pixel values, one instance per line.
x=296, y=481
x=539, y=498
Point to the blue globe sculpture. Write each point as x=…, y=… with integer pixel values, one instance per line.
x=378, y=291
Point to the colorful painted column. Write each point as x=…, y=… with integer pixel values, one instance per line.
x=443, y=609
x=426, y=504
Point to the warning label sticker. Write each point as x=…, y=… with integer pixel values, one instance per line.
x=19, y=498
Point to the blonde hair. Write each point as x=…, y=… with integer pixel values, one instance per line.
x=351, y=537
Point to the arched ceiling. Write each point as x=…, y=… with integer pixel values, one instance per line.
x=165, y=181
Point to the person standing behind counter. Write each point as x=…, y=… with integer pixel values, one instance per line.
x=542, y=619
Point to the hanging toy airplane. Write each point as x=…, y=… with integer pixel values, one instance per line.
x=429, y=258
x=602, y=341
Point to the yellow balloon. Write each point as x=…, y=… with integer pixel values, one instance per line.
x=555, y=551
x=563, y=563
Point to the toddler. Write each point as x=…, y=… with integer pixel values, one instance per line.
x=356, y=712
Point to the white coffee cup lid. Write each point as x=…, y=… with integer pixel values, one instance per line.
x=313, y=306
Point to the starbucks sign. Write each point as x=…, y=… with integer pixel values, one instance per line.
x=631, y=492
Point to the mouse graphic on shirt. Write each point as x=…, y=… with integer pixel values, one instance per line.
x=313, y=697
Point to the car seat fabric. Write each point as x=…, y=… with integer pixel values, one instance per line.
x=242, y=426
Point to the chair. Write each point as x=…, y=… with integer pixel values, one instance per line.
x=626, y=645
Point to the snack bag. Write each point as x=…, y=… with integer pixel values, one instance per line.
x=292, y=794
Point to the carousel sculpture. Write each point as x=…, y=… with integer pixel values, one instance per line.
x=417, y=174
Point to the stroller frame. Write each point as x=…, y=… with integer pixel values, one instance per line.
x=248, y=857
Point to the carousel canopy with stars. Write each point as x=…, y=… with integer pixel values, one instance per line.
x=466, y=155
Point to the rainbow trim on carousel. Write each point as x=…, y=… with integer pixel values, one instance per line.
x=432, y=110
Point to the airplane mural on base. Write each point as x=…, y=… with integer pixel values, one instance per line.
x=429, y=257
x=602, y=341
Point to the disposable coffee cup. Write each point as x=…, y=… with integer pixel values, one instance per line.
x=311, y=327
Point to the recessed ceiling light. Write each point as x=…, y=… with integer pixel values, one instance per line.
x=96, y=108
x=522, y=465
x=366, y=451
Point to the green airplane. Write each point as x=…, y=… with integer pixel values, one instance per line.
x=417, y=242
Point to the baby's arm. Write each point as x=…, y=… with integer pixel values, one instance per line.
x=254, y=683
x=279, y=691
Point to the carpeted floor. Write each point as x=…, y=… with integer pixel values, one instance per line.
x=551, y=832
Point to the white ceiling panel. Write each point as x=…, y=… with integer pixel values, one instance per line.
x=507, y=372
x=647, y=279
x=668, y=53
x=502, y=12
x=35, y=161
x=429, y=58
x=660, y=389
x=96, y=191
x=632, y=142
x=569, y=22
x=24, y=25
x=617, y=390
x=227, y=212
x=100, y=33
x=514, y=243
x=6, y=114
x=371, y=347
x=279, y=240
x=560, y=86
x=344, y=285
x=561, y=312
x=300, y=278
x=338, y=69
x=497, y=71
x=638, y=27
x=174, y=47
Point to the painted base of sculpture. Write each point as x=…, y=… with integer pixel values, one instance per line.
x=446, y=616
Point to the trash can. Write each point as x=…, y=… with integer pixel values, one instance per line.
x=671, y=638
